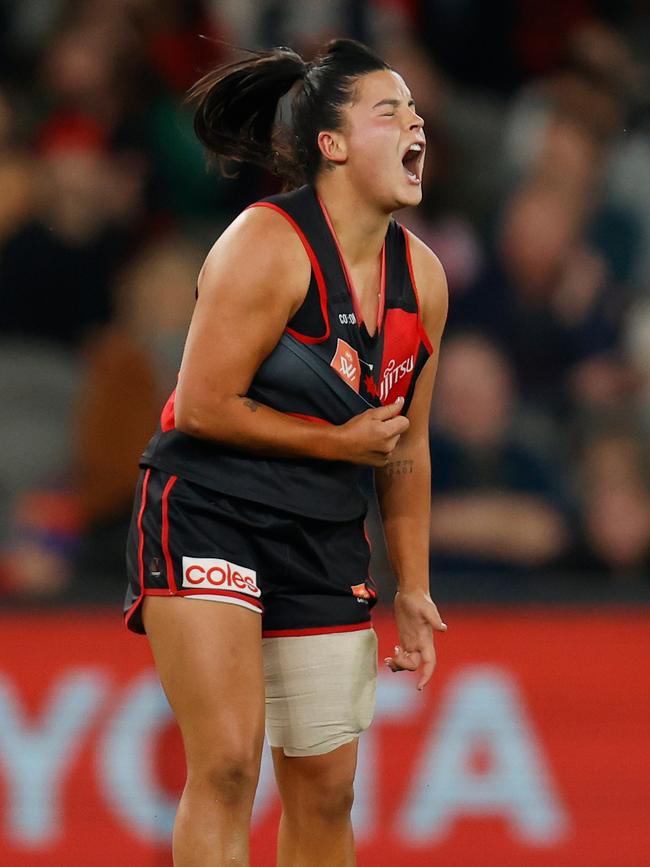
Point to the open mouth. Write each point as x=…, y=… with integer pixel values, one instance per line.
x=412, y=162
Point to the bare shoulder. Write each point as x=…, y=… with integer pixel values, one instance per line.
x=431, y=283
x=259, y=249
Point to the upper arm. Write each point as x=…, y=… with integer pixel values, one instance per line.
x=251, y=284
x=431, y=288
x=432, y=291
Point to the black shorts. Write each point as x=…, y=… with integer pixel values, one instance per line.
x=303, y=575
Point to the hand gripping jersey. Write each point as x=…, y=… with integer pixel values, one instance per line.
x=327, y=367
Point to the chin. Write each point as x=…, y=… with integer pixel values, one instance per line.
x=410, y=199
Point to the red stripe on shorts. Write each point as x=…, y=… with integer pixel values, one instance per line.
x=171, y=583
x=317, y=630
x=202, y=591
x=143, y=503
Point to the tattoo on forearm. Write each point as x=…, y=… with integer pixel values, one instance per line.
x=251, y=404
x=399, y=468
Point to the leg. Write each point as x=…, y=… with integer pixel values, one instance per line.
x=320, y=695
x=208, y=658
x=317, y=794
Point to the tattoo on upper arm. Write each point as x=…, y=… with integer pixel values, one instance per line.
x=399, y=468
x=251, y=404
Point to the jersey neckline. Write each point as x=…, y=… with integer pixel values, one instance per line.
x=356, y=306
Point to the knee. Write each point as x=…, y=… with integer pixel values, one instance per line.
x=230, y=778
x=329, y=801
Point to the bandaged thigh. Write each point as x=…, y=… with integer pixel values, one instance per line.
x=320, y=690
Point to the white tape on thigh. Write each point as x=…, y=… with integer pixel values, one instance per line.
x=320, y=690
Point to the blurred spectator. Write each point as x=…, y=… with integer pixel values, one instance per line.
x=545, y=297
x=38, y=521
x=55, y=271
x=70, y=448
x=17, y=174
x=36, y=563
x=637, y=350
x=131, y=369
x=615, y=535
x=303, y=24
x=593, y=95
x=496, y=507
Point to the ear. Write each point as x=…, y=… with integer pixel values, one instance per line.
x=333, y=147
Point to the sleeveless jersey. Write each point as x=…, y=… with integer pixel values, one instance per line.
x=327, y=367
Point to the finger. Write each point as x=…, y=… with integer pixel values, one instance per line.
x=437, y=622
x=398, y=425
x=383, y=413
x=428, y=667
x=403, y=661
x=391, y=444
x=433, y=618
x=400, y=665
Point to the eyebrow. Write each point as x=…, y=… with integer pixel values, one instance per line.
x=395, y=103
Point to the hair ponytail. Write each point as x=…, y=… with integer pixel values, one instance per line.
x=237, y=105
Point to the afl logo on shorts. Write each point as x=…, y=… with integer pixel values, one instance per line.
x=361, y=592
x=214, y=574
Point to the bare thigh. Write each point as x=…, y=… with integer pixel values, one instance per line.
x=208, y=657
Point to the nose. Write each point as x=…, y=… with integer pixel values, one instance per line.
x=415, y=121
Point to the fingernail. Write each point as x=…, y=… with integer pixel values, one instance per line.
x=397, y=648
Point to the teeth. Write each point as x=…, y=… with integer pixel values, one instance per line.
x=416, y=147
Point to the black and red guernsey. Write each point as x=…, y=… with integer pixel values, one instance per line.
x=328, y=366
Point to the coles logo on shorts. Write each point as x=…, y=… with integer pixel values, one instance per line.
x=214, y=574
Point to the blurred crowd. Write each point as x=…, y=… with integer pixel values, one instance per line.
x=536, y=200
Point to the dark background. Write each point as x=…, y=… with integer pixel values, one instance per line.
x=536, y=199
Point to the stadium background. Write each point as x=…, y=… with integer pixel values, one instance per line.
x=531, y=747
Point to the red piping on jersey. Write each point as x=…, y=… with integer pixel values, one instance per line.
x=315, y=264
x=423, y=334
x=318, y=630
x=167, y=417
x=143, y=503
x=165, y=533
x=309, y=417
x=382, y=289
x=353, y=292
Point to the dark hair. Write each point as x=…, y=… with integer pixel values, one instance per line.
x=237, y=105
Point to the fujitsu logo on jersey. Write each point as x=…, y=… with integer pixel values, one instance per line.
x=215, y=574
x=392, y=374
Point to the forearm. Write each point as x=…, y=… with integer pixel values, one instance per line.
x=403, y=490
x=243, y=423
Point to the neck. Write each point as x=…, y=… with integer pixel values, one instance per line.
x=360, y=227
